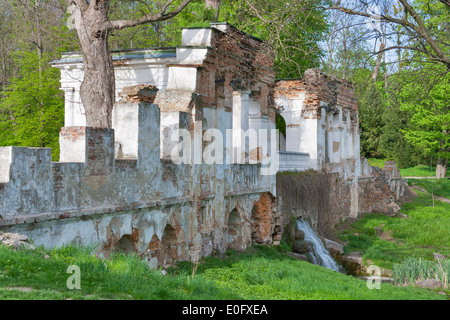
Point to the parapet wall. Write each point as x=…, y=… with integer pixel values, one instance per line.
x=380, y=190
x=103, y=199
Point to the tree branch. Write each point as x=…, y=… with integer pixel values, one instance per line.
x=150, y=17
x=419, y=28
x=422, y=30
x=446, y=2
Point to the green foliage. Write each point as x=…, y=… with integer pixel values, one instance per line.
x=280, y=124
x=294, y=30
x=376, y=162
x=32, y=109
x=430, y=117
x=147, y=35
x=194, y=16
x=294, y=34
x=419, y=171
x=393, y=144
x=371, y=109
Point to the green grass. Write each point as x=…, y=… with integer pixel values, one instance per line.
x=423, y=232
x=121, y=277
x=420, y=171
x=259, y=273
x=376, y=162
x=417, y=171
x=439, y=187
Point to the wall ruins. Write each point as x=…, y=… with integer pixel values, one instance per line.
x=145, y=185
x=321, y=115
x=118, y=189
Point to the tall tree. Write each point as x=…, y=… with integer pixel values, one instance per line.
x=32, y=111
x=347, y=51
x=430, y=118
x=6, y=33
x=422, y=32
x=215, y=5
x=293, y=29
x=91, y=20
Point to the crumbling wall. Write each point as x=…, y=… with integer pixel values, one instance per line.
x=321, y=115
x=304, y=195
x=322, y=120
x=117, y=188
x=380, y=190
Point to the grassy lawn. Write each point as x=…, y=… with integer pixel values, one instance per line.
x=386, y=240
x=439, y=187
x=417, y=171
x=420, y=171
x=259, y=273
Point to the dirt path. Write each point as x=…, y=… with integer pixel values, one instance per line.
x=435, y=196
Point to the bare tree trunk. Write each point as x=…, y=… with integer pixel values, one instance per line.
x=441, y=168
x=378, y=63
x=4, y=77
x=98, y=88
x=386, y=76
x=214, y=4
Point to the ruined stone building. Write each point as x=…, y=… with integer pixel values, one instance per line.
x=121, y=188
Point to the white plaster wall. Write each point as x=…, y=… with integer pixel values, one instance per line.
x=240, y=124
x=255, y=119
x=303, y=132
x=72, y=150
x=141, y=72
x=170, y=124
x=5, y=163
x=182, y=79
x=196, y=37
x=321, y=146
x=309, y=140
x=125, y=122
x=224, y=119
x=293, y=161
x=191, y=55
x=132, y=72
